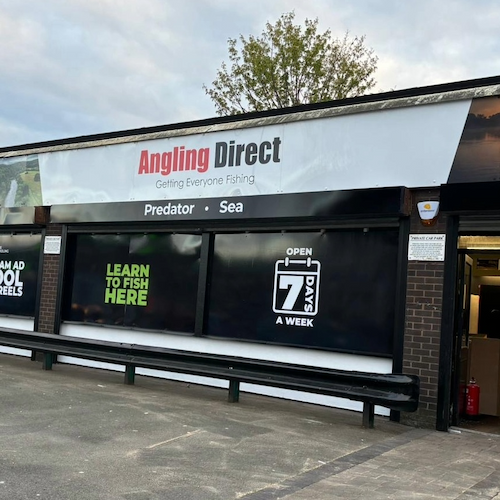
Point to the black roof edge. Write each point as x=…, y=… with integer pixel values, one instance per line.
x=364, y=99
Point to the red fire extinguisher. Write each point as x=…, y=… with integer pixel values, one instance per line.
x=472, y=399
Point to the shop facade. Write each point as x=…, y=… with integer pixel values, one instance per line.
x=310, y=236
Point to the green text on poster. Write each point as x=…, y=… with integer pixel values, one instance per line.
x=127, y=284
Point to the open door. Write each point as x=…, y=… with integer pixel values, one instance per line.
x=476, y=342
x=461, y=338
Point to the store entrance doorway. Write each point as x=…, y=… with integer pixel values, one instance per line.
x=477, y=335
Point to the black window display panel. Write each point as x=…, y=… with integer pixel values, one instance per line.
x=357, y=289
x=171, y=286
x=19, y=263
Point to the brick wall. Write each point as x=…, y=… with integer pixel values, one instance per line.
x=50, y=276
x=422, y=336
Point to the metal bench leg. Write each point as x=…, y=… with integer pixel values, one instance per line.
x=234, y=391
x=129, y=374
x=48, y=359
x=368, y=415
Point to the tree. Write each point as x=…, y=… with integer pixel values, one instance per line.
x=288, y=66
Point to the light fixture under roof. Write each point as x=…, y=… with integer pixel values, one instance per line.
x=479, y=242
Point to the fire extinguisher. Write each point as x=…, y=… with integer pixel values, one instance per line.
x=472, y=399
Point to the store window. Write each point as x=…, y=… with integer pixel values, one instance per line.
x=146, y=281
x=327, y=289
x=19, y=262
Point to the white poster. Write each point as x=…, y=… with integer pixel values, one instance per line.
x=426, y=247
x=52, y=245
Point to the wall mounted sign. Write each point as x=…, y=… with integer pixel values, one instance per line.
x=387, y=202
x=354, y=151
x=52, y=245
x=426, y=247
x=367, y=150
x=380, y=148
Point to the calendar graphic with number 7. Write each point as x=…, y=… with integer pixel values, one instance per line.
x=296, y=286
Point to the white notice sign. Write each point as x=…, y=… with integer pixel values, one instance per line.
x=52, y=244
x=428, y=247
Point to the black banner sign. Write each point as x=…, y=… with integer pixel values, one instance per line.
x=389, y=202
x=19, y=260
x=330, y=290
x=146, y=281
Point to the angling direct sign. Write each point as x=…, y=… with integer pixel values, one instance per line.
x=374, y=149
x=416, y=146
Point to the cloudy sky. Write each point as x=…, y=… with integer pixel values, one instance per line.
x=77, y=67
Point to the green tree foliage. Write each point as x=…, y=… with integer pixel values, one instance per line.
x=290, y=65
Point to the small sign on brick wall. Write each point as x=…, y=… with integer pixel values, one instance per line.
x=52, y=245
x=426, y=247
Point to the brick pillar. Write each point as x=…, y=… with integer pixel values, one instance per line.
x=50, y=275
x=424, y=299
